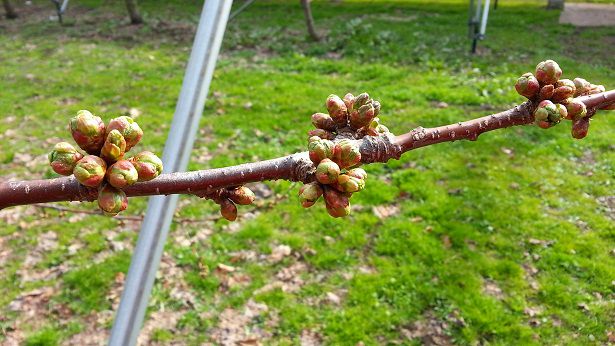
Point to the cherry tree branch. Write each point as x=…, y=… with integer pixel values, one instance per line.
x=295, y=167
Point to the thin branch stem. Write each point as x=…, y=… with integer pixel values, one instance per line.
x=295, y=167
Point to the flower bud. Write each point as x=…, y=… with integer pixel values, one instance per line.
x=323, y=121
x=580, y=126
x=562, y=93
x=376, y=106
x=111, y=200
x=596, y=89
x=560, y=113
x=338, y=203
x=309, y=194
x=362, y=117
x=337, y=109
x=582, y=86
x=122, y=174
x=546, y=114
x=546, y=92
x=320, y=149
x=361, y=100
x=128, y=128
x=90, y=170
x=548, y=72
x=63, y=158
x=576, y=109
x=358, y=173
x=568, y=83
x=147, y=164
x=348, y=183
x=527, y=85
x=327, y=171
x=88, y=131
x=114, y=147
x=228, y=209
x=348, y=101
x=324, y=134
x=346, y=153
x=241, y=195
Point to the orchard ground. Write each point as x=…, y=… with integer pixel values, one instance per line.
x=506, y=240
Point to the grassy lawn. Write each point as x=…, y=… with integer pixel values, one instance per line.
x=509, y=240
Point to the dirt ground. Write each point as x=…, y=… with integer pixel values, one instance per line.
x=582, y=14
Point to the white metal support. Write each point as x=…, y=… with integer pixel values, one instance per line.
x=160, y=209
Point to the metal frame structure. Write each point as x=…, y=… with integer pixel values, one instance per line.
x=160, y=209
x=60, y=8
x=478, y=15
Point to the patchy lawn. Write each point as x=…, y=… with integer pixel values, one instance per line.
x=507, y=240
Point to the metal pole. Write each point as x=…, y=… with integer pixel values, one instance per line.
x=160, y=209
x=240, y=9
x=483, y=21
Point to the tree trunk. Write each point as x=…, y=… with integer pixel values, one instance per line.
x=555, y=5
x=9, y=9
x=307, y=11
x=133, y=11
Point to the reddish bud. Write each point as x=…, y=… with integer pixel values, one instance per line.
x=111, y=200
x=358, y=173
x=546, y=92
x=596, y=89
x=324, y=134
x=88, y=131
x=562, y=93
x=323, y=121
x=338, y=203
x=129, y=129
x=361, y=100
x=337, y=109
x=320, y=149
x=327, y=171
x=346, y=153
x=122, y=174
x=63, y=158
x=348, y=183
x=527, y=85
x=309, y=194
x=90, y=170
x=228, y=209
x=348, y=101
x=362, y=117
x=580, y=127
x=147, y=164
x=582, y=86
x=576, y=109
x=242, y=195
x=548, y=72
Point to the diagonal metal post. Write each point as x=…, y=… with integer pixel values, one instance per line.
x=160, y=209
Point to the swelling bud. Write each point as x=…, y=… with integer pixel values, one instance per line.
x=122, y=174
x=580, y=127
x=63, y=158
x=88, y=131
x=228, y=209
x=241, y=195
x=337, y=109
x=327, y=172
x=129, y=129
x=309, y=194
x=548, y=72
x=346, y=153
x=114, y=147
x=576, y=109
x=320, y=149
x=147, y=164
x=348, y=183
x=111, y=200
x=582, y=86
x=90, y=170
x=527, y=85
x=323, y=121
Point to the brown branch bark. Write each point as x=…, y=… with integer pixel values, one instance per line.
x=309, y=20
x=295, y=167
x=9, y=10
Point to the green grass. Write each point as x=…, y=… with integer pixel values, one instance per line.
x=469, y=213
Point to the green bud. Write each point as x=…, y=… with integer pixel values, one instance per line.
x=382, y=129
x=548, y=72
x=88, y=131
x=576, y=109
x=111, y=200
x=228, y=209
x=63, y=158
x=122, y=174
x=347, y=183
x=545, y=114
x=346, y=153
x=361, y=100
x=147, y=164
x=580, y=127
x=582, y=86
x=327, y=171
x=323, y=121
x=324, y=134
x=348, y=101
x=90, y=170
x=337, y=109
x=527, y=85
x=362, y=117
x=546, y=92
x=320, y=149
x=128, y=128
x=309, y=194
x=114, y=147
x=241, y=195
x=560, y=113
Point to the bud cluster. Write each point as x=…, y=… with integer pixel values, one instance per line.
x=337, y=156
x=104, y=165
x=556, y=97
x=228, y=199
